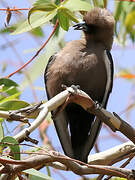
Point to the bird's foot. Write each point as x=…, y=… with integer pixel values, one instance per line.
x=131, y=176
x=67, y=101
x=64, y=86
x=75, y=87
x=62, y=107
x=98, y=105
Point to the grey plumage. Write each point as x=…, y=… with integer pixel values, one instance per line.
x=88, y=63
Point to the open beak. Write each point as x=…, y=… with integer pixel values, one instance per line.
x=81, y=26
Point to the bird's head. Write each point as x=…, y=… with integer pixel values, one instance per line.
x=98, y=26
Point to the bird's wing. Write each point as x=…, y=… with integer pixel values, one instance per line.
x=50, y=62
x=110, y=71
x=96, y=126
x=60, y=121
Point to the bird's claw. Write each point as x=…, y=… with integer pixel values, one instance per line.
x=131, y=176
x=75, y=87
x=98, y=105
x=64, y=86
x=67, y=101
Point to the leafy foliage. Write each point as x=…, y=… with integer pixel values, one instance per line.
x=9, y=95
x=34, y=174
x=124, y=16
x=13, y=145
x=1, y=131
x=48, y=10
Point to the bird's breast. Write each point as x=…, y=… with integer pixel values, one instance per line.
x=82, y=68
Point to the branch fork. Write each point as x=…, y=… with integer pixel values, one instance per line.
x=76, y=95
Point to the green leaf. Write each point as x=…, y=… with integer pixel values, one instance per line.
x=127, y=6
x=40, y=2
x=13, y=105
x=4, y=67
x=8, y=88
x=14, y=96
x=63, y=20
x=7, y=82
x=7, y=29
x=77, y=5
x=6, y=92
x=118, y=10
x=96, y=3
x=64, y=15
x=69, y=14
x=1, y=130
x=37, y=20
x=38, y=32
x=12, y=145
x=11, y=90
x=130, y=22
x=37, y=175
x=42, y=7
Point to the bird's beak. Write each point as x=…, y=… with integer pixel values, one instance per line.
x=81, y=26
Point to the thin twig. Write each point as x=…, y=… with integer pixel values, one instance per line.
x=14, y=9
x=37, y=53
x=76, y=166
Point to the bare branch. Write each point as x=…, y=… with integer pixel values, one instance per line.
x=81, y=98
x=60, y=161
x=47, y=107
x=71, y=164
x=117, y=153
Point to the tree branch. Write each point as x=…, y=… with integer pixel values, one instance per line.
x=63, y=162
x=79, y=97
x=76, y=166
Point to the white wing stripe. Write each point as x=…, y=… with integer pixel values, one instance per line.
x=109, y=77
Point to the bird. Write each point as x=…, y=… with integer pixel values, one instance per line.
x=88, y=63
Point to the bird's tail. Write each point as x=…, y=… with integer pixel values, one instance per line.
x=77, y=131
x=80, y=123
